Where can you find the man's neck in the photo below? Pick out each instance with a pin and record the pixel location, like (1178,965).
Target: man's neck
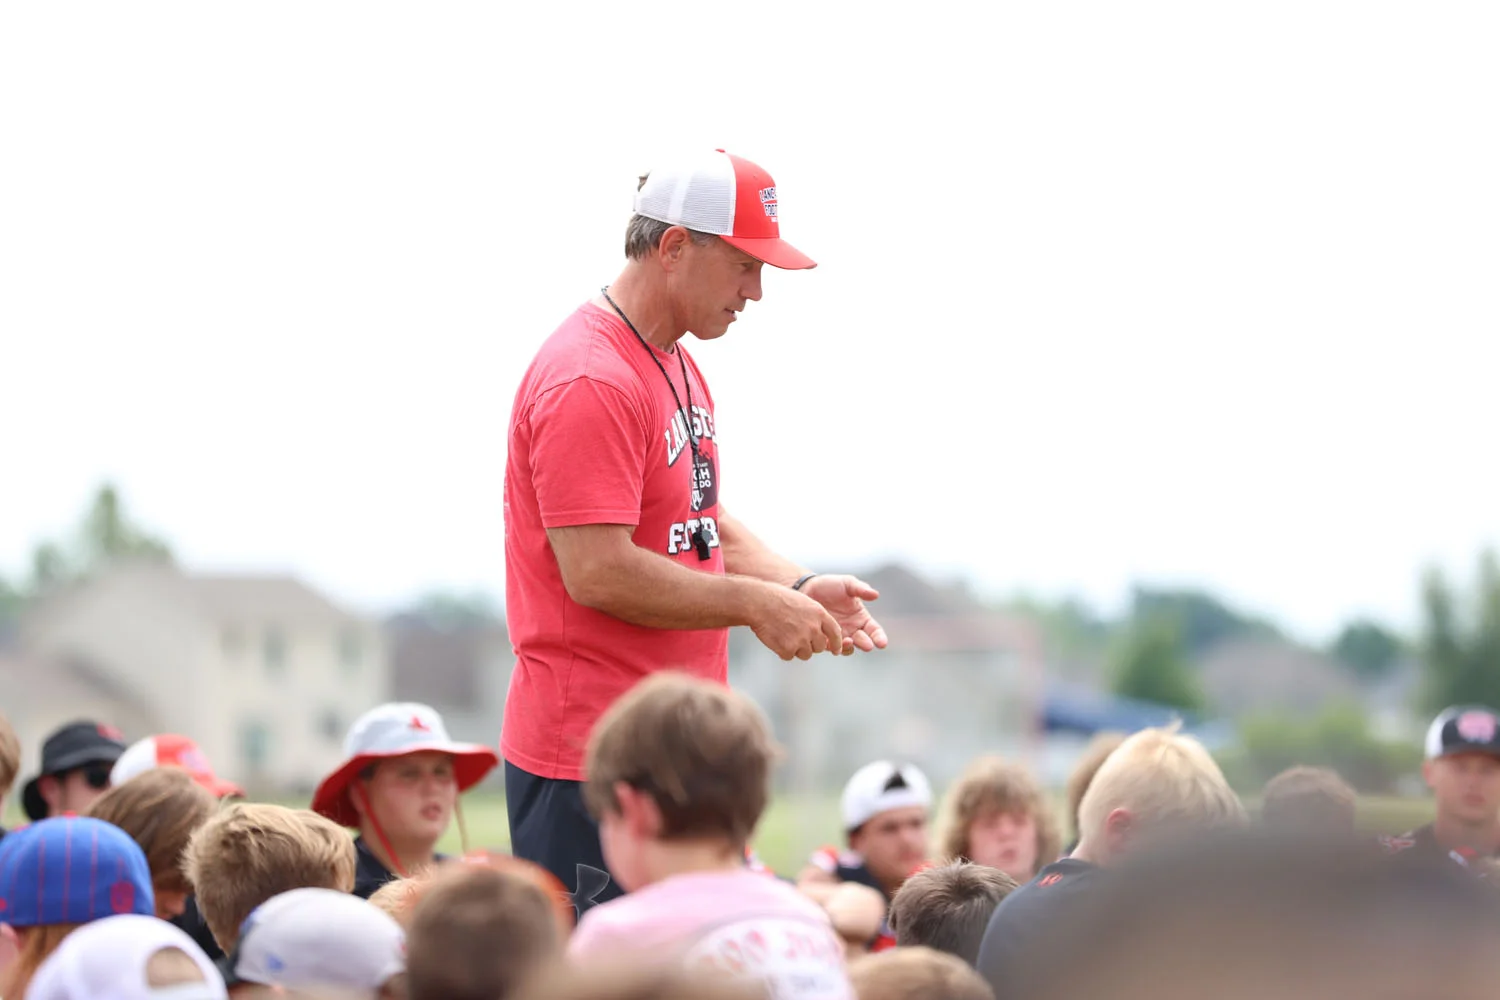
(1482,838)
(640,296)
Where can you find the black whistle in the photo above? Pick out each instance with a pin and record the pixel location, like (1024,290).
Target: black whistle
(700,545)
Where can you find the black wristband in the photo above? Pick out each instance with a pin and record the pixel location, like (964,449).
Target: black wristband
(798,585)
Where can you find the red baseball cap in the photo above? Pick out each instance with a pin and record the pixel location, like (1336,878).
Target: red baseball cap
(725,196)
(171,750)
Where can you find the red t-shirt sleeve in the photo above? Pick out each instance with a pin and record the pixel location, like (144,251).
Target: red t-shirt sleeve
(588,454)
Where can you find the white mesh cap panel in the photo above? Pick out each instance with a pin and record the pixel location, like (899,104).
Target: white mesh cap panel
(696,193)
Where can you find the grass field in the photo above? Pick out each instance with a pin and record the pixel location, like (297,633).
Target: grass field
(793,826)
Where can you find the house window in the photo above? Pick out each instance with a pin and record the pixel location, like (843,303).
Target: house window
(351,651)
(331,726)
(255,746)
(274,651)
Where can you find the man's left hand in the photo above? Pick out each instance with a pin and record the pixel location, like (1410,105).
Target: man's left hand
(844,597)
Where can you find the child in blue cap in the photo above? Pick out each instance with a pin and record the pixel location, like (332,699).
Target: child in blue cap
(59,874)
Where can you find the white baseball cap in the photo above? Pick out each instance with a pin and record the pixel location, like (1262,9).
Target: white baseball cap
(725,196)
(881,787)
(317,939)
(108,959)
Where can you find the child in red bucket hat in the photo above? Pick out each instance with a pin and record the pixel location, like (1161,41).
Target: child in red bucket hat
(399,786)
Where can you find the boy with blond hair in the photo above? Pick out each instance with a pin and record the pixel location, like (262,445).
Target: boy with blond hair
(250,852)
(1158,787)
(679,773)
(916,973)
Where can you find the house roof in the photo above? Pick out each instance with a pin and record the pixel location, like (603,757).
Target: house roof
(221,598)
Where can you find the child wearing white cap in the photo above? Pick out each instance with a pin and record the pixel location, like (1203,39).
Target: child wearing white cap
(399,785)
(129,957)
(319,939)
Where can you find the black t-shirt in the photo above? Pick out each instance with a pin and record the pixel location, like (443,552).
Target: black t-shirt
(191,922)
(369,873)
(1031,914)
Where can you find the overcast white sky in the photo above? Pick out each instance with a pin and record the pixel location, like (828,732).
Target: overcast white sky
(1183,292)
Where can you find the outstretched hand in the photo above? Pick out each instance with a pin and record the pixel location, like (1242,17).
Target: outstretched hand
(844,598)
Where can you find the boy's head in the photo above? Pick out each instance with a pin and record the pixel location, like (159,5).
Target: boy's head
(948,908)
(127,958)
(1093,757)
(643,980)
(320,939)
(885,809)
(250,852)
(76,764)
(916,973)
(477,932)
(398,897)
(677,759)
(997,815)
(1311,800)
(10,758)
(160,809)
(1158,784)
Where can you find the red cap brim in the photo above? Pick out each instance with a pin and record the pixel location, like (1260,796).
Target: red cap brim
(776,252)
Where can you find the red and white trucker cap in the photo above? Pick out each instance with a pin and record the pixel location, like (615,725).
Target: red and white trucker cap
(726,196)
(171,750)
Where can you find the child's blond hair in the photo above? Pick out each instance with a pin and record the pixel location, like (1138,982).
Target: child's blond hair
(252,851)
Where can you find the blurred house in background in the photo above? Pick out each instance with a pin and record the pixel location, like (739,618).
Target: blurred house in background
(263,671)
(461,669)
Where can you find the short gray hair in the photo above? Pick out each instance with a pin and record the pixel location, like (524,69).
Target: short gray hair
(643,235)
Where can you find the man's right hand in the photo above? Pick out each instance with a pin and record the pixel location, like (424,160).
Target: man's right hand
(793,625)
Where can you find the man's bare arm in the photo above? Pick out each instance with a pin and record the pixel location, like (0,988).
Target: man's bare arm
(602,568)
(747,555)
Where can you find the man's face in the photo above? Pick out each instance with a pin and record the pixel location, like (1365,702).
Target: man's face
(1466,786)
(711,284)
(75,791)
(893,843)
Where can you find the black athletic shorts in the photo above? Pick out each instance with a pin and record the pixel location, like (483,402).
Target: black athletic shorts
(550,826)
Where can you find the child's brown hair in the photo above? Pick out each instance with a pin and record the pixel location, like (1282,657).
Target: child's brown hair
(916,973)
(948,908)
(252,851)
(701,750)
(161,809)
(476,933)
(1309,799)
(1093,757)
(636,981)
(991,785)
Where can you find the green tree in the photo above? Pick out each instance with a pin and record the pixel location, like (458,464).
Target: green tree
(1368,648)
(1205,620)
(1460,645)
(105,534)
(1150,665)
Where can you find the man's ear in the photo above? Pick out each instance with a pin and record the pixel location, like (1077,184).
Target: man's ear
(674,243)
(1429,768)
(639,811)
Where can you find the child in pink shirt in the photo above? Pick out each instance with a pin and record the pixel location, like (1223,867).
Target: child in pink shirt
(678,776)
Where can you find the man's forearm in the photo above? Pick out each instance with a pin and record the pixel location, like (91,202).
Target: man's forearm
(746,555)
(648,589)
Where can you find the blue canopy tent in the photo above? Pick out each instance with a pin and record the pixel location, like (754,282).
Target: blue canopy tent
(1085,711)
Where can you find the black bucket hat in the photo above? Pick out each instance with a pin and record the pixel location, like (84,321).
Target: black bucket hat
(75,745)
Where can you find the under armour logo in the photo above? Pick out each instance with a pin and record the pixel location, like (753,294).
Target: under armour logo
(590,882)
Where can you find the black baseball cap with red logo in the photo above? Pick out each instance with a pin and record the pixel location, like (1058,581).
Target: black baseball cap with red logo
(1464,729)
(74,746)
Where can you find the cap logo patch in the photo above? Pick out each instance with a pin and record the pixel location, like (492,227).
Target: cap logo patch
(194,760)
(419,725)
(110,733)
(1476,727)
(768,201)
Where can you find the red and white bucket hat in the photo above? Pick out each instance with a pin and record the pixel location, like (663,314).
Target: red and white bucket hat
(725,196)
(397,729)
(171,750)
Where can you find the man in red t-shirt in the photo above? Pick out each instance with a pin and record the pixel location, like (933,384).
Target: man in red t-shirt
(620,559)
